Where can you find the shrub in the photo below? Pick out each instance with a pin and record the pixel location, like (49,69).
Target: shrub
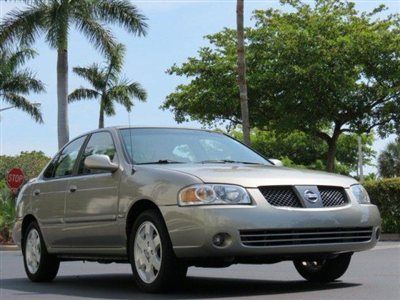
(385,193)
(31,162)
(7,215)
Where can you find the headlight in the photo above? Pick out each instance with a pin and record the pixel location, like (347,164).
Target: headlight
(360,193)
(208,194)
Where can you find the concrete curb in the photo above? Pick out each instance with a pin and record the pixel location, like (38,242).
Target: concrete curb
(9,248)
(390,237)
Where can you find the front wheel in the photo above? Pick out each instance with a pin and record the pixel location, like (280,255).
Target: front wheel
(323,270)
(39,264)
(154,265)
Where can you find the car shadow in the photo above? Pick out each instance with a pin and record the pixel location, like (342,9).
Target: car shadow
(122,287)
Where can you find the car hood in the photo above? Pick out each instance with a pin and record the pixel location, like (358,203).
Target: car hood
(259,175)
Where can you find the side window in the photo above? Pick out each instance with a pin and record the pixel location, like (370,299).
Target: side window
(64,166)
(49,172)
(99,143)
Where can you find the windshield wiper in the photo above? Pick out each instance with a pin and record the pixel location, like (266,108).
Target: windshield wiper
(162,161)
(228,161)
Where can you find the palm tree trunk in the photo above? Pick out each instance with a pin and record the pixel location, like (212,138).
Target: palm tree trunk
(101,117)
(62,97)
(241,62)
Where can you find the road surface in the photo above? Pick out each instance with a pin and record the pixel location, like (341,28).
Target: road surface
(372,275)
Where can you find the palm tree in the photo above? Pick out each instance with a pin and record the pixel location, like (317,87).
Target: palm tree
(107,85)
(241,62)
(54,19)
(16,82)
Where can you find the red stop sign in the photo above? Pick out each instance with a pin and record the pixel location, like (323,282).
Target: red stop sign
(15,179)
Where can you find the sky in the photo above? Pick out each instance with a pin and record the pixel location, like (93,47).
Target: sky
(176,31)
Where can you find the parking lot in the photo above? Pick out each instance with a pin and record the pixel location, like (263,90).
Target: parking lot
(372,275)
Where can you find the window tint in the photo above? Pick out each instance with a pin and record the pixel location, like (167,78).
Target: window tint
(99,143)
(66,159)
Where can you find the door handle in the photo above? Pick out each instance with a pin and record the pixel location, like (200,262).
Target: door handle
(36,192)
(72,188)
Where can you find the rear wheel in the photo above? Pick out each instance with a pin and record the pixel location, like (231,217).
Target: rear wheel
(39,264)
(154,265)
(323,270)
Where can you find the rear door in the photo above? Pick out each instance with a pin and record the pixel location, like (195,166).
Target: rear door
(48,194)
(92,199)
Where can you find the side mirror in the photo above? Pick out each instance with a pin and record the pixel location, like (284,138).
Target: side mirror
(100,162)
(276,162)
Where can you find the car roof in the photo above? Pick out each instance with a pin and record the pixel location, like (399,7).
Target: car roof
(115,128)
(149,127)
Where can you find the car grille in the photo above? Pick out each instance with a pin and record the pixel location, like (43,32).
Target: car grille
(332,196)
(280,196)
(285,196)
(277,237)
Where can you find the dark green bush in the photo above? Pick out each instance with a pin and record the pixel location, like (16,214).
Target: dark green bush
(385,193)
(7,215)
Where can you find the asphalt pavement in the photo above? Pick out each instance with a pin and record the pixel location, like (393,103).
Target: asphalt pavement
(373,274)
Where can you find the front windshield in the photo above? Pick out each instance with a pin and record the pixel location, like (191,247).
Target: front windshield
(164,145)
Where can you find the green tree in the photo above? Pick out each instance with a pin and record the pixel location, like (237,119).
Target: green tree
(389,160)
(54,19)
(31,163)
(16,82)
(297,149)
(322,69)
(107,85)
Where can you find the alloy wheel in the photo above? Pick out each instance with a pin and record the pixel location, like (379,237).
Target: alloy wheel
(147,252)
(33,251)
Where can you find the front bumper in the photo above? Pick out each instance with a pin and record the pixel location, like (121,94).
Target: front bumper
(192,229)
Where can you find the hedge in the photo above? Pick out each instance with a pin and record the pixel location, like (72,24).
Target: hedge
(7,215)
(385,193)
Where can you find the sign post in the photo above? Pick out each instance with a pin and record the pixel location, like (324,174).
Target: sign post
(15,179)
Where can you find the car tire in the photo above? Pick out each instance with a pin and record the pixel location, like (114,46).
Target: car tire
(40,266)
(155,267)
(323,270)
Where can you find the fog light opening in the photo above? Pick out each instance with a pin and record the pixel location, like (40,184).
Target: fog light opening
(221,239)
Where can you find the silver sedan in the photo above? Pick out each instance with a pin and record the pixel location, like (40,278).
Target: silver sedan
(164,199)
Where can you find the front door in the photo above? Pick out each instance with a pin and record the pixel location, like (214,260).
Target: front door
(92,200)
(48,193)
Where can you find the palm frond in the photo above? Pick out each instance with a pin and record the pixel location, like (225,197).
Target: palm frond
(83,94)
(22,82)
(14,81)
(100,36)
(116,60)
(22,103)
(121,12)
(135,89)
(124,93)
(19,57)
(108,107)
(93,74)
(23,25)
(58,24)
